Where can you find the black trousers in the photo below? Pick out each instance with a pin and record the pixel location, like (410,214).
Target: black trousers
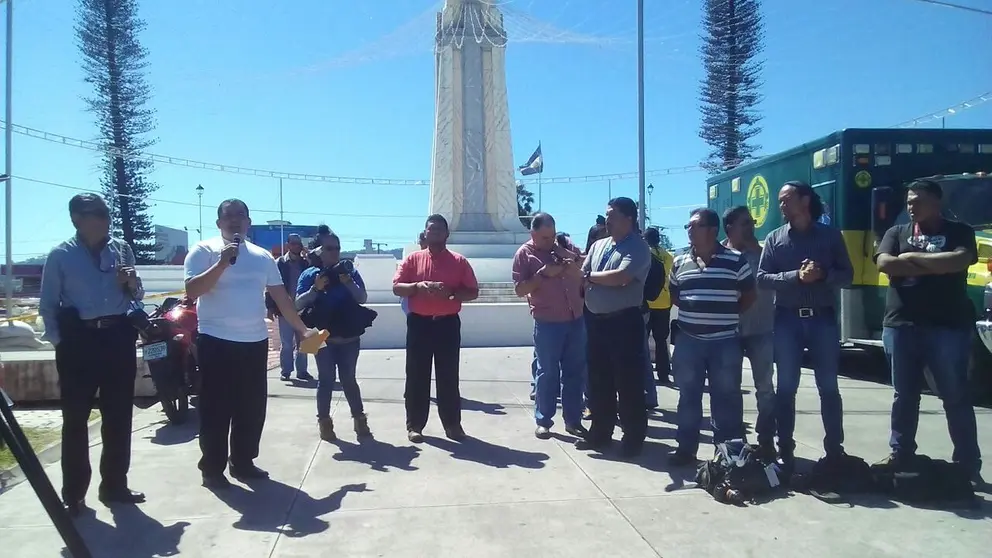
(89,359)
(436,340)
(615,354)
(659,326)
(233,400)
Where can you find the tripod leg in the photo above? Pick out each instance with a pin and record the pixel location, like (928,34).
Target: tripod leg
(35,473)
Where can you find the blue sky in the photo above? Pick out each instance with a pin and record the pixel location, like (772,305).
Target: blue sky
(345,88)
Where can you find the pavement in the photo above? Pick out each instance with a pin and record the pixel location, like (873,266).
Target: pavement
(502,493)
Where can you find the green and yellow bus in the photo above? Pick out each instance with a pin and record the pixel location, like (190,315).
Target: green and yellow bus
(861,175)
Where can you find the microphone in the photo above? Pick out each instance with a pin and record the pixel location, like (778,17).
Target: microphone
(237,242)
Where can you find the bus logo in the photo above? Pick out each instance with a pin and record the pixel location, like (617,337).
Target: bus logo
(758,200)
(862,179)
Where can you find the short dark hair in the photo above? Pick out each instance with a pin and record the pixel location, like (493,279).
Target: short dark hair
(436,218)
(541,220)
(707,216)
(928,187)
(733,214)
(330,234)
(87,202)
(806,191)
(231,201)
(652,236)
(323,229)
(626,206)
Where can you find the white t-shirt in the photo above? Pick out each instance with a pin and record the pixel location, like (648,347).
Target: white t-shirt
(234,309)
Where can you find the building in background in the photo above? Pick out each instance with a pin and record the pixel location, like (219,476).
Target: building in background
(171,245)
(272,236)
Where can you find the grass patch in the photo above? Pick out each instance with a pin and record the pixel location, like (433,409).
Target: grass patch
(39,438)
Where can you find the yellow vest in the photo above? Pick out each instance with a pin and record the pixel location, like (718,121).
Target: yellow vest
(664,300)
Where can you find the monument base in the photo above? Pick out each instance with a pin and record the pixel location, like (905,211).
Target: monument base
(490,253)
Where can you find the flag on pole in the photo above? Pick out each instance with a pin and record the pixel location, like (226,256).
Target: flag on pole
(534,165)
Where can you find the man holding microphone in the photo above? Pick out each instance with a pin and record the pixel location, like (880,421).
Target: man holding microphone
(228,277)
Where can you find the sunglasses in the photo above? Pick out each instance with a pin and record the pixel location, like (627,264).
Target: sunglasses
(98,213)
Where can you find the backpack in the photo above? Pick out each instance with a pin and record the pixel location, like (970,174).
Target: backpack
(833,478)
(736,475)
(922,480)
(655,281)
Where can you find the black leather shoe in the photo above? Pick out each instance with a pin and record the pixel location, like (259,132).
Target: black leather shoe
(216,482)
(75,507)
(122,496)
(455,433)
(247,471)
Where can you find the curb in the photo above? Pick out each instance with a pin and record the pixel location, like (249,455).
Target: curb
(46,456)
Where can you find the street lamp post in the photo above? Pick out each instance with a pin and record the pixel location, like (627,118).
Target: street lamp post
(650,203)
(199,204)
(640,113)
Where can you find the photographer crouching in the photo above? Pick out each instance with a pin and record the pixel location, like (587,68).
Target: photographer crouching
(330,296)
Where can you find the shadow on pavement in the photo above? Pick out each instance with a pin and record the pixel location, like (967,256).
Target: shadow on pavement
(271,506)
(977,509)
(479,406)
(142,536)
(380,456)
(168,434)
(492,455)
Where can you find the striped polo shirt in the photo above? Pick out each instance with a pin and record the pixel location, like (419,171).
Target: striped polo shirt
(709,297)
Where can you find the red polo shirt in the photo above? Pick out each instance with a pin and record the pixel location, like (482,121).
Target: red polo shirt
(446,267)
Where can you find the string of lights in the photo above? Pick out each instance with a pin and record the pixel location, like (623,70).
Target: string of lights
(952,110)
(956,6)
(291,212)
(949,111)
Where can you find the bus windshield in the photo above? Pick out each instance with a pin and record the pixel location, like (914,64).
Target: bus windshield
(965,199)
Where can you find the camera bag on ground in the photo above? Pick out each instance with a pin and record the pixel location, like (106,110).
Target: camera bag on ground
(922,480)
(834,478)
(736,475)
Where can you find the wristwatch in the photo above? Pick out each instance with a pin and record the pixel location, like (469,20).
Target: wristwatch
(587,274)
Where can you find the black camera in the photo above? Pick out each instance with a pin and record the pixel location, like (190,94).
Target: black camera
(334,273)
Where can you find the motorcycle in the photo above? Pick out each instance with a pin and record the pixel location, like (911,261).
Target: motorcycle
(168,347)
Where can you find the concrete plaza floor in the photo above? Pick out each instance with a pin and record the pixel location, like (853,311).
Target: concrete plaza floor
(503,493)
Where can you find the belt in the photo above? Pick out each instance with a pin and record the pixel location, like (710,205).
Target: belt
(105,322)
(808,312)
(434,318)
(607,315)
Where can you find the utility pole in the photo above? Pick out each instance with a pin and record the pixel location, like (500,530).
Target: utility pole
(378,246)
(641,214)
(8,155)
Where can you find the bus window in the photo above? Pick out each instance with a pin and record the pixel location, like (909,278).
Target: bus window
(965,199)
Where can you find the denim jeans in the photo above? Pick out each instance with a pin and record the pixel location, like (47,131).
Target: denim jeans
(650,389)
(760,352)
(945,351)
(534,367)
(818,333)
(290,341)
(338,361)
(693,360)
(561,356)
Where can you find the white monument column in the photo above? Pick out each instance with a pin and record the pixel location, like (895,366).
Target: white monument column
(472,181)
